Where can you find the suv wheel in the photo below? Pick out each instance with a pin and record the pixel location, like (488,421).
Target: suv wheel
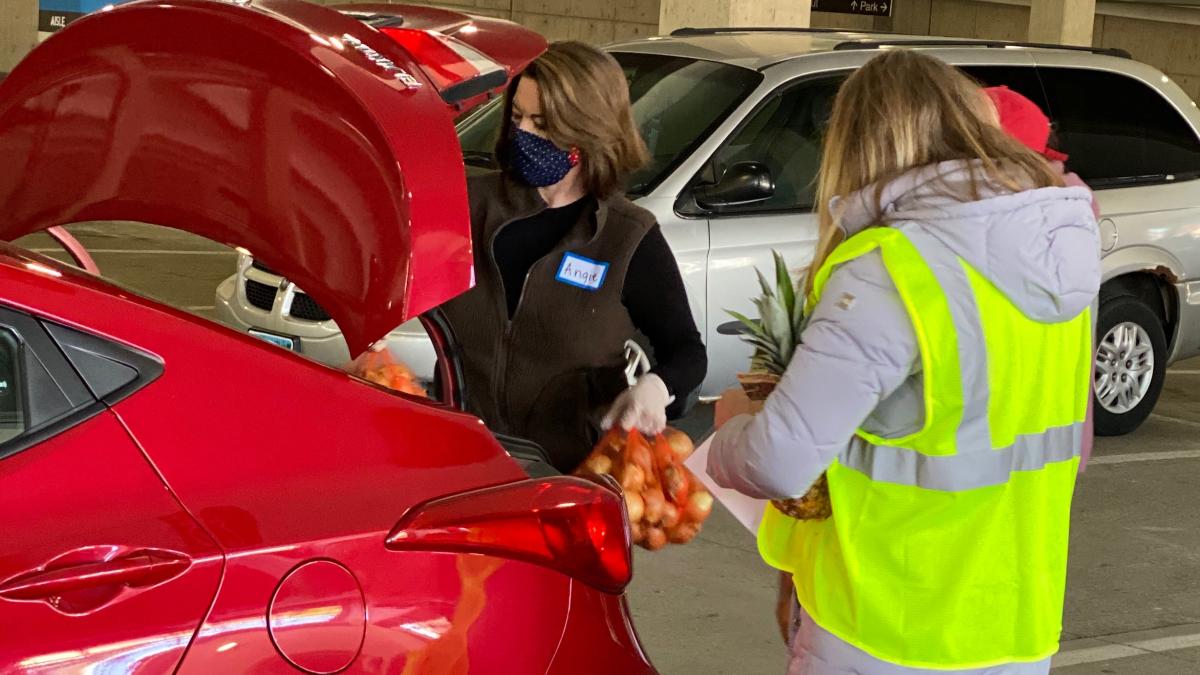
(1130,364)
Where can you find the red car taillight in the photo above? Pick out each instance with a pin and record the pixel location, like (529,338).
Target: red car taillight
(568,524)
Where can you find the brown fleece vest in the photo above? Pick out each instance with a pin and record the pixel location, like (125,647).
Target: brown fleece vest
(550,373)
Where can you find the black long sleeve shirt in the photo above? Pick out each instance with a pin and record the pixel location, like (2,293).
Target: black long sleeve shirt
(653,294)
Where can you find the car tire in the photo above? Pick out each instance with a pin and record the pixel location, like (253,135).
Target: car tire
(1130,364)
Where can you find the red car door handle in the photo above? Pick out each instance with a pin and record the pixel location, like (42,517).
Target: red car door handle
(137,569)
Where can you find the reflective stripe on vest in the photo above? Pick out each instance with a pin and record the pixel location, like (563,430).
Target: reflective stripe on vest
(947,547)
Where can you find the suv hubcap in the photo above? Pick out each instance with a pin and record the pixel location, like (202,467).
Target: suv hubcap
(1124,368)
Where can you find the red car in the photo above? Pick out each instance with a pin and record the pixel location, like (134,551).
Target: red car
(343,527)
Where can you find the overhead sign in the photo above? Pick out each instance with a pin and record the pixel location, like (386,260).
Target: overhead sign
(54,15)
(862,7)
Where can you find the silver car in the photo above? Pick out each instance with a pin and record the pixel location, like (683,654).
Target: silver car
(734,121)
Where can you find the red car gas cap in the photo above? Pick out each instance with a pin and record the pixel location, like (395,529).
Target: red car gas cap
(318,617)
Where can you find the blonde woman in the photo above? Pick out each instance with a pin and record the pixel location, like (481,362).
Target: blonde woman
(567,269)
(942,387)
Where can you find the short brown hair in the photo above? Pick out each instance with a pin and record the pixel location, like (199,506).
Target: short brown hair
(585,104)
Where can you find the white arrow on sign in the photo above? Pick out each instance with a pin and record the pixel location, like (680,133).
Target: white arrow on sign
(883,7)
(853,5)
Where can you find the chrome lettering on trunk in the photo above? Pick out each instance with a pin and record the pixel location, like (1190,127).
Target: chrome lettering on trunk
(383,62)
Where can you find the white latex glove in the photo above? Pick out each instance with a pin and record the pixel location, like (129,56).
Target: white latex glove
(642,406)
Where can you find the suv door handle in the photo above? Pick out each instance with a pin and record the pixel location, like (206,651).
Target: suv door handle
(86,586)
(732,328)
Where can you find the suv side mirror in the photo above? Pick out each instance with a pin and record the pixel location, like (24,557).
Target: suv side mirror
(743,183)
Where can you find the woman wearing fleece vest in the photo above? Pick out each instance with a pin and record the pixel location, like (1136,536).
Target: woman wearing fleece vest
(567,269)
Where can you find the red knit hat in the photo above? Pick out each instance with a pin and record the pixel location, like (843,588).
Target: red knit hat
(1024,121)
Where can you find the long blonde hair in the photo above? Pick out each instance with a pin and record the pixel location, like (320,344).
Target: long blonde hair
(904,110)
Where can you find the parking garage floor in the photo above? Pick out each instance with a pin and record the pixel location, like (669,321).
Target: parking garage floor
(1133,597)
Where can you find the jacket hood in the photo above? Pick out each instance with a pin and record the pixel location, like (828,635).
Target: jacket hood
(1040,247)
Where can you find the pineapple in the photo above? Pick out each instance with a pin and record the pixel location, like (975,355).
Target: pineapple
(775,335)
(774,338)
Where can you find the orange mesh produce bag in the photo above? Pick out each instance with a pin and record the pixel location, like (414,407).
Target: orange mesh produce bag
(380,367)
(665,502)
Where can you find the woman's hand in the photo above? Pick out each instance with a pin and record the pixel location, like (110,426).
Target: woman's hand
(733,402)
(643,407)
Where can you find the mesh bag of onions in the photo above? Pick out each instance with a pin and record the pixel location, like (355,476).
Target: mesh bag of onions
(665,502)
(380,367)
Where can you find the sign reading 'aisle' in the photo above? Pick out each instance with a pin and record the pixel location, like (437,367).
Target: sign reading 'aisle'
(54,15)
(863,7)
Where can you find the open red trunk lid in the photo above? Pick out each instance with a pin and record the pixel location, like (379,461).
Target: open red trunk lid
(300,133)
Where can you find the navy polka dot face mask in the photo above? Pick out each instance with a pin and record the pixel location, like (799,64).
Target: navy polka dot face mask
(538,161)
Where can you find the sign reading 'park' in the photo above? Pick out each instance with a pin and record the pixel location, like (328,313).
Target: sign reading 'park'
(864,7)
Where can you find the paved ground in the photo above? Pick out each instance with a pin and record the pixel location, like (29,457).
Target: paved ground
(1133,603)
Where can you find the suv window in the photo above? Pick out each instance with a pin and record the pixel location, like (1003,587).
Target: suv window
(785,134)
(1022,79)
(1143,139)
(677,102)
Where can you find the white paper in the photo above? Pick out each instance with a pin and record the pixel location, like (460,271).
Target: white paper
(747,510)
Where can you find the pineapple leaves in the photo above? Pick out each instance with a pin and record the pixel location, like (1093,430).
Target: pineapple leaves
(783,281)
(776,333)
(777,322)
(767,290)
(798,316)
(754,327)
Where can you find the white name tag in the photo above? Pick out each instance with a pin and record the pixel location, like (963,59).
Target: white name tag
(580,272)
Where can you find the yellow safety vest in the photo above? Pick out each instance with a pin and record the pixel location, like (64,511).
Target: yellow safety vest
(947,548)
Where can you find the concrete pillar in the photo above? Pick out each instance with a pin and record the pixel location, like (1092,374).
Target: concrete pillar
(18,31)
(1067,22)
(911,17)
(721,13)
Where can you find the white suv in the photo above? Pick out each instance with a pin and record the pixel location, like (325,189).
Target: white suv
(734,120)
